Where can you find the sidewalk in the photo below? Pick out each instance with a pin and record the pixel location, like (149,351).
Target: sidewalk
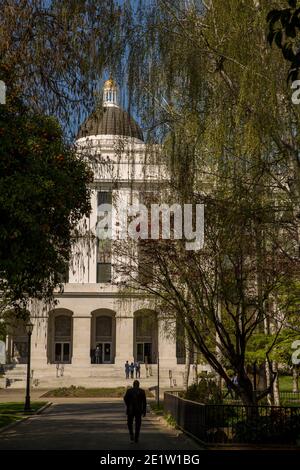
(91,425)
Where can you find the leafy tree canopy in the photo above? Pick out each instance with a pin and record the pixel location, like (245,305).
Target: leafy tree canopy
(284,32)
(43,194)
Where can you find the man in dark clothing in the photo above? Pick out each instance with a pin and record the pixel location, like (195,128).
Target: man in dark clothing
(135,400)
(127,367)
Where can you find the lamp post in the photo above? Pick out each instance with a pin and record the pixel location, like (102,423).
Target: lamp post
(29,328)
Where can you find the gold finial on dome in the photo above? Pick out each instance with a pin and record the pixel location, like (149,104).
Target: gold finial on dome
(110,83)
(110,93)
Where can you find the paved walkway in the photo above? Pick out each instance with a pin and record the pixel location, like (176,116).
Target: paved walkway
(86,425)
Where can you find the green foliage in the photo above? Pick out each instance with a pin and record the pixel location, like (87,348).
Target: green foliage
(59,51)
(278,345)
(170,420)
(43,194)
(277,428)
(284,31)
(157,409)
(206,391)
(225,118)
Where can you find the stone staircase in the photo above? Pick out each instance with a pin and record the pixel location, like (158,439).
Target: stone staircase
(93,376)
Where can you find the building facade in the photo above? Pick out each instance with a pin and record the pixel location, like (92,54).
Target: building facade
(93,329)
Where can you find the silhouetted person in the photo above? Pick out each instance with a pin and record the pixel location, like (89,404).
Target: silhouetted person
(127,367)
(137,367)
(131,368)
(135,399)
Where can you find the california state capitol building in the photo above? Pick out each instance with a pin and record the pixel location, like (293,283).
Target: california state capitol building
(91,312)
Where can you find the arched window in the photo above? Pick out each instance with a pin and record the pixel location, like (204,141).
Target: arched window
(62,338)
(146,339)
(103,327)
(103,338)
(63,327)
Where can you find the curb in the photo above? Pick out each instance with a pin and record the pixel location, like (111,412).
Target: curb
(25,418)
(41,410)
(164,422)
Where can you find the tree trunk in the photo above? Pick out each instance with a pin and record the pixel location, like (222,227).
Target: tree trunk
(245,391)
(187,363)
(218,350)
(276,385)
(268,379)
(295,379)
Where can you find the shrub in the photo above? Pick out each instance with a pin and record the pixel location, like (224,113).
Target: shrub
(273,429)
(206,391)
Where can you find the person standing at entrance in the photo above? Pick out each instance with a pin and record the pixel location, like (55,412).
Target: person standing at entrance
(97,355)
(131,370)
(127,367)
(137,367)
(135,400)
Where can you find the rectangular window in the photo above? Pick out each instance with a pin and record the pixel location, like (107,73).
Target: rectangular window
(66,352)
(140,352)
(107,349)
(103,272)
(104,197)
(145,263)
(104,245)
(62,352)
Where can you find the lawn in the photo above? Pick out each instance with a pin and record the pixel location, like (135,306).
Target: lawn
(14,411)
(286,383)
(82,392)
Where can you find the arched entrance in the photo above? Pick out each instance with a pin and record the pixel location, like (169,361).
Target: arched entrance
(145,336)
(60,336)
(103,335)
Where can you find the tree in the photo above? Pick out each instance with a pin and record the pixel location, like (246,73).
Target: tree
(59,50)
(43,194)
(216,96)
(284,32)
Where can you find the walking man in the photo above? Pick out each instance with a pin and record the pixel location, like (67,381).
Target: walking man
(135,400)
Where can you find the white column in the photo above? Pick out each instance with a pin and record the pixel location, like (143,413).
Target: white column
(39,341)
(166,346)
(8,346)
(124,340)
(81,340)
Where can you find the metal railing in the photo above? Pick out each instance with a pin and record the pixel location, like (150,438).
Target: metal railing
(235,423)
(292,397)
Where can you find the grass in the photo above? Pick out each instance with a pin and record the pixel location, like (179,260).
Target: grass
(14,411)
(82,392)
(286,383)
(157,409)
